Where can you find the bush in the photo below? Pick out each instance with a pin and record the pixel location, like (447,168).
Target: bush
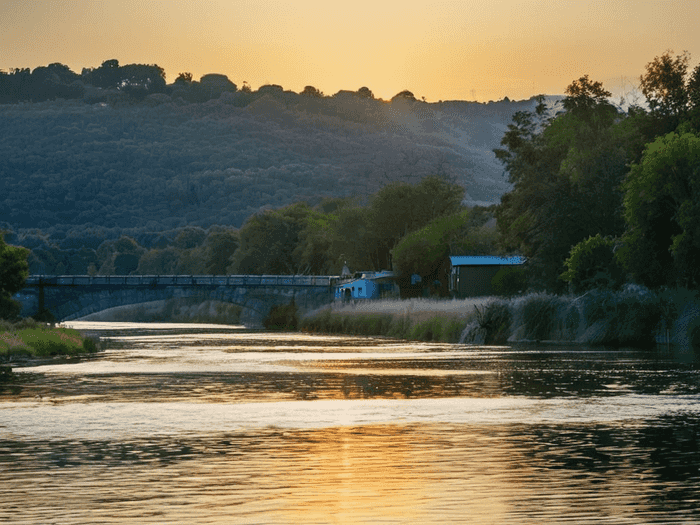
(509,281)
(592,264)
(282,317)
(494,322)
(632,315)
(539,316)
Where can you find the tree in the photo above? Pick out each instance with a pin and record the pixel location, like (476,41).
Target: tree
(139,80)
(365,92)
(663,84)
(661,245)
(584,93)
(105,76)
(592,264)
(119,257)
(566,171)
(14,270)
(220,247)
(403,95)
(215,84)
(185,78)
(423,251)
(268,241)
(310,91)
(400,208)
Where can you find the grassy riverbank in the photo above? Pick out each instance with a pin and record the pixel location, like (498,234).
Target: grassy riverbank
(417,319)
(29,338)
(633,317)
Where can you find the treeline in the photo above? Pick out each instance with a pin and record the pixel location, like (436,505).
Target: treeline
(130,153)
(408,227)
(603,196)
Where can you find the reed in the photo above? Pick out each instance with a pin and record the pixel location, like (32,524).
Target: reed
(417,319)
(633,316)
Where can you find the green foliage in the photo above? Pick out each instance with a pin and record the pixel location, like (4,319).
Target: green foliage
(268,242)
(566,171)
(662,209)
(36,339)
(282,317)
(400,208)
(592,264)
(494,320)
(13,272)
(509,281)
(220,244)
(539,313)
(422,251)
(663,84)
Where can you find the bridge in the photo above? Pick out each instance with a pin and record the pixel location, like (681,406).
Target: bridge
(69,297)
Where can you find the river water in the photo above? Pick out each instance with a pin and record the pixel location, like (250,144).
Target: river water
(211,424)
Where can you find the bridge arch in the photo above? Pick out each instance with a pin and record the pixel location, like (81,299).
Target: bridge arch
(73,297)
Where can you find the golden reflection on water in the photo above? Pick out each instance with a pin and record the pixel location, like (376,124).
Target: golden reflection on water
(239,427)
(419,473)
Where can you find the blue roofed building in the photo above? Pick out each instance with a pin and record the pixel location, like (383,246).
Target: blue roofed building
(367,285)
(471,275)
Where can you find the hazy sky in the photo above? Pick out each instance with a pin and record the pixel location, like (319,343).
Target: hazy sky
(440,50)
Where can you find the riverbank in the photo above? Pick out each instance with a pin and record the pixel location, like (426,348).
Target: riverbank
(634,317)
(32,339)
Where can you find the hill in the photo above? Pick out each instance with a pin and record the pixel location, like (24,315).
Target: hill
(163,163)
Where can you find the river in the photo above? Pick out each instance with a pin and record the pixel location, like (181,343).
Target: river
(213,424)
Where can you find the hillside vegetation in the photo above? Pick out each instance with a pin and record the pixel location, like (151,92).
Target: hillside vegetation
(116,149)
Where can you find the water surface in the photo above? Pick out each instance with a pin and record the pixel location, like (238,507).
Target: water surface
(185,424)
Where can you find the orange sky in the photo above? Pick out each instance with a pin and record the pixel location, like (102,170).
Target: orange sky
(440,50)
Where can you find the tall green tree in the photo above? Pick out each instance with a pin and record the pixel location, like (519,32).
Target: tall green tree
(400,208)
(268,241)
(566,170)
(664,84)
(661,245)
(14,271)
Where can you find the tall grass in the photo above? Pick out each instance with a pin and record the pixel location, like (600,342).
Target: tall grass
(633,316)
(417,319)
(34,339)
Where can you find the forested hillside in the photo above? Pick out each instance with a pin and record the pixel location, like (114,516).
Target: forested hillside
(86,158)
(186,155)
(68,164)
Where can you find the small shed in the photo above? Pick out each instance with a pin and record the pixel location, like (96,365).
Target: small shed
(471,275)
(367,285)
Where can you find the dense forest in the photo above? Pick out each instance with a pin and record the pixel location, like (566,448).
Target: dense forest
(201,177)
(116,151)
(603,196)
(111,148)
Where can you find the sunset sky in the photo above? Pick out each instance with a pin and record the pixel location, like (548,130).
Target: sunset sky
(440,50)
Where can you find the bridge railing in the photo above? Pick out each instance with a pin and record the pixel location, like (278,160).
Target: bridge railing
(179,280)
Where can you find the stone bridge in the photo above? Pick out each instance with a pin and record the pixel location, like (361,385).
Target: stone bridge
(73,296)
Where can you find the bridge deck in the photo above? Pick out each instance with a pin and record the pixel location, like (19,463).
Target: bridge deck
(36,281)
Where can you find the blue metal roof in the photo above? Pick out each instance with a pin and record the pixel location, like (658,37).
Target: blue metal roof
(484,260)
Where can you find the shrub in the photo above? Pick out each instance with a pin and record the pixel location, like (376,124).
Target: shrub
(632,315)
(282,317)
(494,322)
(539,316)
(509,281)
(592,264)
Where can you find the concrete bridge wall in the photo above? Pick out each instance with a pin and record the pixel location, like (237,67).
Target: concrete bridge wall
(71,297)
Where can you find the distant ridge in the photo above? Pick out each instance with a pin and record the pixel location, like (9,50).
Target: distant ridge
(108,160)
